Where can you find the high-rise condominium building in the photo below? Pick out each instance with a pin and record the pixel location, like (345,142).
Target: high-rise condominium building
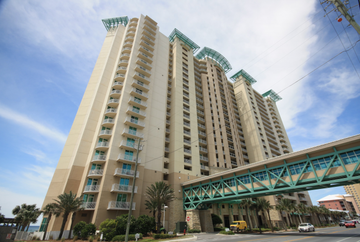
(353,189)
(191,121)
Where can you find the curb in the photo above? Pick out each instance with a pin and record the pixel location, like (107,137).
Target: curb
(186,239)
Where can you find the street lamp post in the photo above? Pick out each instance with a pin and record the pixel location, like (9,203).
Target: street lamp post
(165,207)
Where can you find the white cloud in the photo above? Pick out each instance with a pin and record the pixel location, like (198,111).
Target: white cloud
(43,129)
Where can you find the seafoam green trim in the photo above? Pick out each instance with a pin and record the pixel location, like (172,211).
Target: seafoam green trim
(213,54)
(243,73)
(114,22)
(273,95)
(177,33)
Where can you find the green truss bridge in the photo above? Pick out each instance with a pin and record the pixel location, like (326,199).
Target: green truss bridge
(328,165)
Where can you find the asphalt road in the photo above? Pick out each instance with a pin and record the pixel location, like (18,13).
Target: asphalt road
(334,234)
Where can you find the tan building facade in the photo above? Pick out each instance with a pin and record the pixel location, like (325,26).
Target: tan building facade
(191,121)
(354,190)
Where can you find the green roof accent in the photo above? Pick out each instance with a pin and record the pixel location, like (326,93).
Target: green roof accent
(184,38)
(273,95)
(213,54)
(243,73)
(114,22)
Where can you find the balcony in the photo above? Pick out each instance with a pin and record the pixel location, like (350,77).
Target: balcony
(200,112)
(113,102)
(147,45)
(88,205)
(128,145)
(186,116)
(201,133)
(114,205)
(130,33)
(187,161)
(102,146)
(167,140)
(201,119)
(146,50)
(125,173)
(149,40)
(124,56)
(148,34)
(122,188)
(91,188)
(128,44)
(202,167)
(140,85)
(99,158)
(133,22)
(202,141)
(142,77)
(144,63)
(148,28)
(199,100)
(143,70)
(204,150)
(145,57)
(136,112)
(201,126)
(106,133)
(115,93)
(151,25)
(200,106)
(187,132)
(132,133)
(204,158)
(96,173)
(134,123)
(138,103)
(199,94)
(119,77)
(109,122)
(117,85)
(110,112)
(128,158)
(187,151)
(121,69)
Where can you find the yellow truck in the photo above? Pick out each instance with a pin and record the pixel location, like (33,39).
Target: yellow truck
(238,226)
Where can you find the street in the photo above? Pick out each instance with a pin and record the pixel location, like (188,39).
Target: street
(334,234)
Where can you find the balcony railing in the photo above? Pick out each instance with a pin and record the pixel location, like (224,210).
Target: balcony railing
(128,144)
(125,172)
(99,158)
(135,121)
(88,205)
(96,172)
(204,158)
(188,161)
(115,205)
(105,132)
(122,188)
(134,110)
(128,158)
(102,145)
(142,103)
(92,188)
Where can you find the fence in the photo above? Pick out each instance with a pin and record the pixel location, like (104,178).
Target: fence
(23,235)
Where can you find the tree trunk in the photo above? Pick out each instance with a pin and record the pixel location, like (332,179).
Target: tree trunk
(318,215)
(158,220)
(71,225)
(65,217)
(257,218)
(46,226)
(291,223)
(248,215)
(272,228)
(28,225)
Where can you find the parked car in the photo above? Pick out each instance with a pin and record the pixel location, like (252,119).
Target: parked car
(342,223)
(350,224)
(306,227)
(238,226)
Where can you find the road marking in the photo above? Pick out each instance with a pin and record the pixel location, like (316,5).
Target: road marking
(264,238)
(299,239)
(347,237)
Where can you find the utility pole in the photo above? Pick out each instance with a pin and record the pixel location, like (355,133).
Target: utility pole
(132,193)
(344,11)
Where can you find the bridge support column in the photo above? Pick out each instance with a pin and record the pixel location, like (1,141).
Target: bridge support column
(206,221)
(194,222)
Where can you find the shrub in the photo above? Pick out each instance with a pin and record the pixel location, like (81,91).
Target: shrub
(227,233)
(194,231)
(63,239)
(163,236)
(108,229)
(144,224)
(216,219)
(276,228)
(121,223)
(121,238)
(51,237)
(91,239)
(78,227)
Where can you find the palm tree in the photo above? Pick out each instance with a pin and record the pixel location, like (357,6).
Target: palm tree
(151,206)
(301,209)
(245,203)
(325,212)
(280,207)
(49,210)
(26,214)
(159,194)
(312,210)
(2,218)
(66,204)
(258,206)
(291,210)
(287,206)
(266,207)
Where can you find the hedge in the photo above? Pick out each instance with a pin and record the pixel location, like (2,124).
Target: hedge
(121,237)
(163,236)
(219,229)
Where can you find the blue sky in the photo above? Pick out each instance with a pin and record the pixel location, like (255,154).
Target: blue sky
(48,50)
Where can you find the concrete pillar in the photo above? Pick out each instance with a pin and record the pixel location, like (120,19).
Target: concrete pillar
(206,221)
(194,222)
